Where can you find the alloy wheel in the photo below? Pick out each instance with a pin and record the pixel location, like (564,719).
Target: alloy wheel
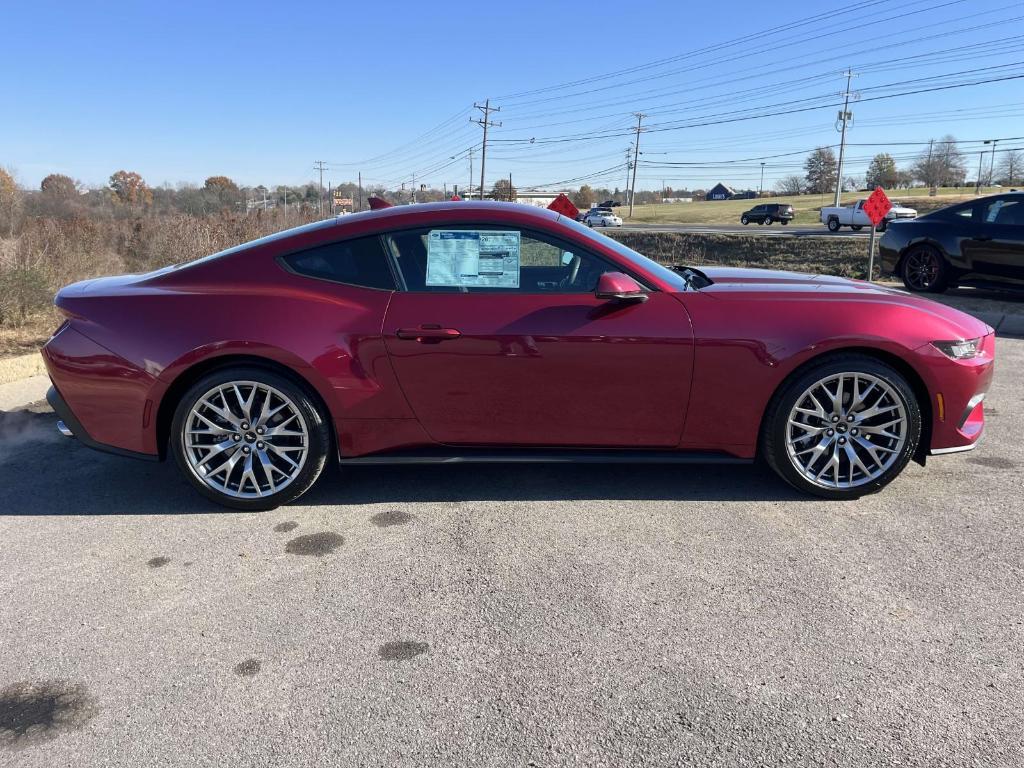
(245,439)
(921,269)
(846,430)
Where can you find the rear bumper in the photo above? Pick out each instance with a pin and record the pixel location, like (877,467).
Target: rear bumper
(70,426)
(100,396)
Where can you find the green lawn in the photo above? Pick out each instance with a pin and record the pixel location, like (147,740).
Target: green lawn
(805,207)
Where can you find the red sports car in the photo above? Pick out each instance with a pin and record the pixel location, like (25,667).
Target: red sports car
(495,332)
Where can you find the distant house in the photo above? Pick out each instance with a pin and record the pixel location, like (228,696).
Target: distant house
(720,192)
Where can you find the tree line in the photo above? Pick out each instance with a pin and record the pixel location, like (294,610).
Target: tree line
(942,164)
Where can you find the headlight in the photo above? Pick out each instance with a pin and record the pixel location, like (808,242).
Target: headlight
(959,350)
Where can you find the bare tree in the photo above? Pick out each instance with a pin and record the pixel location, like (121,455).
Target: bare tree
(942,164)
(10,201)
(790,185)
(1011,168)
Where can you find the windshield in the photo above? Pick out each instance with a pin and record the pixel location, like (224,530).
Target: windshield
(675,279)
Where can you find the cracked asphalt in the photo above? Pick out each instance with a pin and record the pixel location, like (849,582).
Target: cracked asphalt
(520,615)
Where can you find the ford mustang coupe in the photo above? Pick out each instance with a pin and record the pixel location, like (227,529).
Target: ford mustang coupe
(497,332)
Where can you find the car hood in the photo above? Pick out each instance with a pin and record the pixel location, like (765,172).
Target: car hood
(732,283)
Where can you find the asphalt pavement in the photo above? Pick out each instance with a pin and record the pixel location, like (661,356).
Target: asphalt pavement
(513,615)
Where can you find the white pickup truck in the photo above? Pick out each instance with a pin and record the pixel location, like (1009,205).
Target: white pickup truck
(853,216)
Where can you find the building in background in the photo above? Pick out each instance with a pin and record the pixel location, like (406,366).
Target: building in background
(720,192)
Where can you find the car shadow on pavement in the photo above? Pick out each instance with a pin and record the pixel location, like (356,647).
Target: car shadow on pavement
(44,473)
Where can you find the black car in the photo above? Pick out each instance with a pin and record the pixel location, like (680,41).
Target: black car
(766,213)
(979,242)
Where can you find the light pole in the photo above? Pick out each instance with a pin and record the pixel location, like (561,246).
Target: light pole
(760,189)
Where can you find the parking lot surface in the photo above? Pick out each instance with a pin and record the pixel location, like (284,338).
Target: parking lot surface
(520,615)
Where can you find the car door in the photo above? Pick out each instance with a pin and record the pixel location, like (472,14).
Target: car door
(524,354)
(997,245)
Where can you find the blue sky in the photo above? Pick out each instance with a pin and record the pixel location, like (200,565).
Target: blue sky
(258,91)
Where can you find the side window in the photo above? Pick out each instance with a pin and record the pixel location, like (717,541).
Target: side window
(1003,211)
(361,262)
(966,213)
(493,260)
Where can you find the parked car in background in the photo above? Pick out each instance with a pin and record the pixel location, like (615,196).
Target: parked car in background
(854,217)
(766,213)
(601,217)
(980,242)
(481,331)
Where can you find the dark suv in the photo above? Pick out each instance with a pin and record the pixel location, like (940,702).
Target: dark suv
(766,213)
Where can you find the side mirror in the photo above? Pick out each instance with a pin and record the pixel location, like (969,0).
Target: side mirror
(617,286)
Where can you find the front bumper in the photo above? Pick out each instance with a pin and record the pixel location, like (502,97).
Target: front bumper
(958,389)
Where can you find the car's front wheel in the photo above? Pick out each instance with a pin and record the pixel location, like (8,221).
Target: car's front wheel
(249,438)
(924,270)
(843,428)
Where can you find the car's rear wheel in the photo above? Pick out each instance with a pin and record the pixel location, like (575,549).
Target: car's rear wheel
(744,220)
(924,270)
(833,225)
(249,439)
(843,428)
(768,220)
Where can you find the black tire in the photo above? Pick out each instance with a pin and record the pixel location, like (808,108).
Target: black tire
(833,224)
(316,423)
(776,423)
(744,220)
(768,220)
(784,222)
(924,270)
(856,227)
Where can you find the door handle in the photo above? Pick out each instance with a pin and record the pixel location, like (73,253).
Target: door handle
(426,334)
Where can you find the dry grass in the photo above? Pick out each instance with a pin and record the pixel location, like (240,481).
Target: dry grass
(51,252)
(843,256)
(806,207)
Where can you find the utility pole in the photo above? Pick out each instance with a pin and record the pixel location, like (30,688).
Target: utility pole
(760,189)
(319,166)
(931,171)
(992,163)
(330,198)
(360,190)
(977,184)
(629,167)
(845,116)
(485,122)
(636,160)
(511,197)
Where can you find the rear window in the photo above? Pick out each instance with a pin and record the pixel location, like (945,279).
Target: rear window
(361,262)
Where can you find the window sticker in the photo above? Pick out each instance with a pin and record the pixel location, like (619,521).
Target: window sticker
(473,258)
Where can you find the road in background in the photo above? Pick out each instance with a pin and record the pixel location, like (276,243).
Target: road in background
(754,230)
(513,615)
